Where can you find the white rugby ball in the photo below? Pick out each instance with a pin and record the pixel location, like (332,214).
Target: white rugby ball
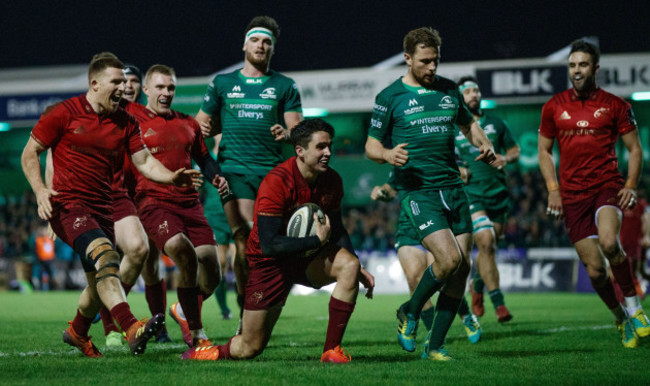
(301,223)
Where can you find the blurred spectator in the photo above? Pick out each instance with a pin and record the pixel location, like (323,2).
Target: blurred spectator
(45,253)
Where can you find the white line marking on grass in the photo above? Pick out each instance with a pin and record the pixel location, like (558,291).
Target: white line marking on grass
(563,329)
(104,350)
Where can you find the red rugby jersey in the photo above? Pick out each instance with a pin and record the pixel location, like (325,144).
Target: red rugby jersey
(120,186)
(586,132)
(174,140)
(86,148)
(283,190)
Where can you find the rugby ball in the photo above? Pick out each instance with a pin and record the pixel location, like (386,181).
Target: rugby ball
(301,223)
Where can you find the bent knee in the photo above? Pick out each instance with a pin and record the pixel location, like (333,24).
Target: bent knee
(610,247)
(596,274)
(349,266)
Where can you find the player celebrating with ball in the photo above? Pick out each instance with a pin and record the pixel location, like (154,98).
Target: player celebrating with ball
(277,261)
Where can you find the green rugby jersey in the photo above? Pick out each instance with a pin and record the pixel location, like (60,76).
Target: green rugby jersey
(486,180)
(247,108)
(423,118)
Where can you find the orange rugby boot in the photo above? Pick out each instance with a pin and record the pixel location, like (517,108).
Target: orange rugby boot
(336,355)
(83,343)
(141,331)
(202,353)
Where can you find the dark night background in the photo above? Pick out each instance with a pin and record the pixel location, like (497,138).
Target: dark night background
(199,38)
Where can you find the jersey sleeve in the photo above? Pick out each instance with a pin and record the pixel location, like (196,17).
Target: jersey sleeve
(272,196)
(133,137)
(51,126)
(625,120)
(292,102)
(547,126)
(463,117)
(380,121)
(211,104)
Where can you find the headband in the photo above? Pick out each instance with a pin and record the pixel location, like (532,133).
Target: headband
(468,84)
(260,32)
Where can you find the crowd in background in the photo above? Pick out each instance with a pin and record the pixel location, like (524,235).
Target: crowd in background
(371,227)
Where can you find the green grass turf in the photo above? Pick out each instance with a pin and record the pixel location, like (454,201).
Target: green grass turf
(553,338)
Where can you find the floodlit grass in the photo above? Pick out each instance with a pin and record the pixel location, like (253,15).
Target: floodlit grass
(553,339)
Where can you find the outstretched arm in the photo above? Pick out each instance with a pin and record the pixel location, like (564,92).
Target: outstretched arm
(152,169)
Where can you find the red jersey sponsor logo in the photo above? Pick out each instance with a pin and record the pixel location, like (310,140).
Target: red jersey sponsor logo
(582,123)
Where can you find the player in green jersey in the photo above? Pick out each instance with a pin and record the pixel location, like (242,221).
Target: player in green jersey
(253,110)
(414,259)
(488,196)
(417,113)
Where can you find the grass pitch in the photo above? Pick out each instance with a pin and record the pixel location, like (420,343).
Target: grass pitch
(553,338)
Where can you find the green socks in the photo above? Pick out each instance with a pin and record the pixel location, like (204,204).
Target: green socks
(446,309)
(427,317)
(463,309)
(428,285)
(497,298)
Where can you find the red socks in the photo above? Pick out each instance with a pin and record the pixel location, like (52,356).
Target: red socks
(189,299)
(224,351)
(623,275)
(107,320)
(339,312)
(607,294)
(122,313)
(81,324)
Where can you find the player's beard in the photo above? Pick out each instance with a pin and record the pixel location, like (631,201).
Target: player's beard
(474,107)
(257,62)
(584,85)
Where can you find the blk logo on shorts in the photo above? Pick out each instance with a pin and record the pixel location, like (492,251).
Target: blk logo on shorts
(425,226)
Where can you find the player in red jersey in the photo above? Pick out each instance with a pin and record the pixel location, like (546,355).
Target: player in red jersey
(138,254)
(587,121)
(173,216)
(277,261)
(88,135)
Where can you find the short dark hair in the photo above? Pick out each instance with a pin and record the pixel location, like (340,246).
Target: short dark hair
(467,78)
(132,69)
(423,35)
(158,69)
(582,45)
(102,62)
(302,132)
(265,22)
